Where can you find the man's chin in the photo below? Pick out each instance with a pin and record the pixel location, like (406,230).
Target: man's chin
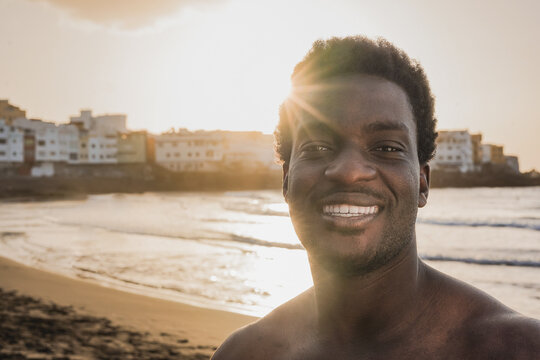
(345,265)
(348,263)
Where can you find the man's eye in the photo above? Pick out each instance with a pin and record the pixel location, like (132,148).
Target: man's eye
(387,148)
(316,148)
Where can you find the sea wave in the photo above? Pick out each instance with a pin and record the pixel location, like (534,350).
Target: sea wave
(484,223)
(498,262)
(254,241)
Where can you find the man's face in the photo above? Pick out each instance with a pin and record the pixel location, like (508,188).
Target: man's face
(353,183)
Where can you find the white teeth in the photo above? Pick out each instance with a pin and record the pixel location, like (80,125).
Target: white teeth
(346,210)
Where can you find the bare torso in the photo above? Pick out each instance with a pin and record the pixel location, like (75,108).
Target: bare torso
(458,322)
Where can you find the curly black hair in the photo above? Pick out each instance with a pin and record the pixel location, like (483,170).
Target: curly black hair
(359,55)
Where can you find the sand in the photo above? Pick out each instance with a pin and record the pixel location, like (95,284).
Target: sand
(49,316)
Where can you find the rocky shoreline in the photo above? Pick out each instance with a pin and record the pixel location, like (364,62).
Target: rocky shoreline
(33,329)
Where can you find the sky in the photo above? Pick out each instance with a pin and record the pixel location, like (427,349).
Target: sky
(226,64)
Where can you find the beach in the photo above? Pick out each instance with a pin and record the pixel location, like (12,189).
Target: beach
(171,275)
(55,317)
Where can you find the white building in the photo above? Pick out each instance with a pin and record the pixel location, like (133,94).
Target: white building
(102,149)
(102,124)
(512,163)
(249,150)
(53,143)
(11,143)
(200,151)
(493,154)
(455,151)
(204,151)
(99,136)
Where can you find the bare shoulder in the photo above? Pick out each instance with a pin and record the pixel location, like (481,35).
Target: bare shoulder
(482,327)
(505,335)
(273,335)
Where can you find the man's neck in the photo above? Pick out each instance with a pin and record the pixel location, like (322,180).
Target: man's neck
(374,307)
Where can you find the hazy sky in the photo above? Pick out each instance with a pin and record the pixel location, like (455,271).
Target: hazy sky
(226,63)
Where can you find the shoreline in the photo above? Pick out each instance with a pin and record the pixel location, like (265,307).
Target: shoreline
(203,329)
(25,188)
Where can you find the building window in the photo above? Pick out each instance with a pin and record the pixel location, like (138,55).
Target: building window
(51,141)
(93,146)
(174,144)
(53,153)
(196,154)
(168,155)
(176,154)
(83,145)
(41,142)
(209,153)
(2,153)
(1,129)
(2,141)
(14,153)
(189,154)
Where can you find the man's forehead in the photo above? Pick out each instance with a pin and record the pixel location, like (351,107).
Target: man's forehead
(367,103)
(338,86)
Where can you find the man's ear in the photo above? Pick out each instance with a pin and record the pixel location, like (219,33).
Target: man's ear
(285,168)
(424,185)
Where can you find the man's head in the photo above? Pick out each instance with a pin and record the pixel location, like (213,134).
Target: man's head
(359,55)
(355,137)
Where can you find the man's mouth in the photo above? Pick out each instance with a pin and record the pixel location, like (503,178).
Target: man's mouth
(348,210)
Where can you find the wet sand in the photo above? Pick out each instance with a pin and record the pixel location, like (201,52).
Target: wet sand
(48,316)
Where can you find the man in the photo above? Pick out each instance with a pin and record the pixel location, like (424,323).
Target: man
(355,137)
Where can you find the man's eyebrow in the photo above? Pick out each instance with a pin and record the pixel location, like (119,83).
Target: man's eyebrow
(381,125)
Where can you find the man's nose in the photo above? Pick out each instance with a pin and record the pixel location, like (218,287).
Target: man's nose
(350,166)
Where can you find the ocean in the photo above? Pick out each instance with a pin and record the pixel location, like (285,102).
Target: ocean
(237,251)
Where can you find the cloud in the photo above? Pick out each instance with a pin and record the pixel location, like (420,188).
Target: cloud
(126,14)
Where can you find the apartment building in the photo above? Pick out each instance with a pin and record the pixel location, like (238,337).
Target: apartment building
(99,139)
(493,154)
(512,163)
(200,151)
(102,124)
(133,147)
(53,143)
(457,150)
(248,150)
(10,112)
(11,143)
(102,149)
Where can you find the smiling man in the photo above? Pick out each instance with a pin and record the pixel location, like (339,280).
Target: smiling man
(355,138)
